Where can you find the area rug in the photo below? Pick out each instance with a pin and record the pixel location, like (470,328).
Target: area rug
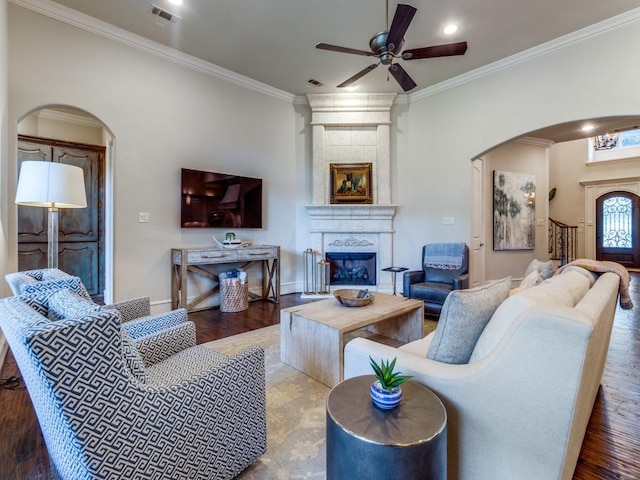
(295,412)
(296,409)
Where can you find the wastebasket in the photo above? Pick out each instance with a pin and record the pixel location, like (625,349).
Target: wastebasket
(234,297)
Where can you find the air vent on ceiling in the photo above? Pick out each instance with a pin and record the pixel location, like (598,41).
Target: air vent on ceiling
(162,13)
(315,83)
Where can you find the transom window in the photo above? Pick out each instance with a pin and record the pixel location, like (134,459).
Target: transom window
(615,146)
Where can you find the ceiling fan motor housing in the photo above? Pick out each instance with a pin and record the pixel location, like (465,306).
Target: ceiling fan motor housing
(378,45)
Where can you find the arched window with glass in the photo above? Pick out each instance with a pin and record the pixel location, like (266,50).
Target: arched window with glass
(617,228)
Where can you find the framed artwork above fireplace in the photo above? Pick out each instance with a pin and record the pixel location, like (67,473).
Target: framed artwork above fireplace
(351,183)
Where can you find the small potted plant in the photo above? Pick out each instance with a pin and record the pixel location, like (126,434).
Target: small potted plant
(385,391)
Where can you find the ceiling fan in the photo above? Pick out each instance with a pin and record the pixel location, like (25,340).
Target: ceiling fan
(387,47)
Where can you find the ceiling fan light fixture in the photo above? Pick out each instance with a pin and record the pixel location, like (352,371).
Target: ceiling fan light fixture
(450,29)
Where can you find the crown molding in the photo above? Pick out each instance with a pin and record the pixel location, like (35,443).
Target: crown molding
(535,142)
(67,117)
(93,25)
(579,36)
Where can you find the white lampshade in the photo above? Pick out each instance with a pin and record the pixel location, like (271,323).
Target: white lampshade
(49,184)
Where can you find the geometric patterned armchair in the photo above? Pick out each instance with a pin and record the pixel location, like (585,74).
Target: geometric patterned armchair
(105,413)
(145,329)
(445,267)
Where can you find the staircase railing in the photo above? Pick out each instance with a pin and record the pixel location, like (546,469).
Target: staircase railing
(563,241)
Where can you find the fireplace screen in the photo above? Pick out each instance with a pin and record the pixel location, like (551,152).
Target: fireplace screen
(352,268)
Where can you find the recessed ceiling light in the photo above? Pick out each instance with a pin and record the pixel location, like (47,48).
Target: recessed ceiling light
(587,128)
(176,2)
(450,29)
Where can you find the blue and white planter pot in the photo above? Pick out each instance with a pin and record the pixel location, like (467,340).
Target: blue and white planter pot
(382,398)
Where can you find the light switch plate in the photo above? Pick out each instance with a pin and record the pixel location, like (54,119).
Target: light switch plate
(143,217)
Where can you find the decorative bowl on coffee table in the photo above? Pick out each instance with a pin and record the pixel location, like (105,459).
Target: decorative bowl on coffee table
(352,297)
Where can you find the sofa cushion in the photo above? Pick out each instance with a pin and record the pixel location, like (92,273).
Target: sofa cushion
(67,304)
(573,282)
(464,315)
(583,271)
(545,268)
(543,294)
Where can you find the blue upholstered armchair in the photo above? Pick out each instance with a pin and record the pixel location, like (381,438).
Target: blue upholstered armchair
(445,268)
(108,413)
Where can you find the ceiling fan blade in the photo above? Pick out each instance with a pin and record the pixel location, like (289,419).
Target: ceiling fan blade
(336,48)
(402,77)
(401,20)
(447,50)
(358,75)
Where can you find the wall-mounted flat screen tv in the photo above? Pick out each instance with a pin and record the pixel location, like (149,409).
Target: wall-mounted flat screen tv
(220,200)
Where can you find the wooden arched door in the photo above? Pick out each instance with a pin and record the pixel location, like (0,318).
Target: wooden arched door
(618,228)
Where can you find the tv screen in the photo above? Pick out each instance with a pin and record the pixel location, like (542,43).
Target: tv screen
(220,200)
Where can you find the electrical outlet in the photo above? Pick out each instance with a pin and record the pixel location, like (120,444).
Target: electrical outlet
(143,217)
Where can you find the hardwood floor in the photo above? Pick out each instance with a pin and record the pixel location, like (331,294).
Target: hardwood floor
(609,450)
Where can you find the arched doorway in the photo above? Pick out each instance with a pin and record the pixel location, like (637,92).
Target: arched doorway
(617,228)
(69,135)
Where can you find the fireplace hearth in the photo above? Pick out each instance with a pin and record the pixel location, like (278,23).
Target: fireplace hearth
(350,268)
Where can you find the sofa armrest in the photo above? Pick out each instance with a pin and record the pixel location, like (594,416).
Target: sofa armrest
(158,346)
(461,282)
(132,308)
(150,324)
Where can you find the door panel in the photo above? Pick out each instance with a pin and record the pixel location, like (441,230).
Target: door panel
(477,251)
(617,228)
(80,224)
(80,238)
(78,258)
(32,221)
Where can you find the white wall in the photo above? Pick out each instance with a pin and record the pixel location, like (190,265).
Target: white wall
(520,158)
(71,127)
(567,168)
(447,130)
(163,117)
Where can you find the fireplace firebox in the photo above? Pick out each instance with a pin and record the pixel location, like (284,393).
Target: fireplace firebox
(352,268)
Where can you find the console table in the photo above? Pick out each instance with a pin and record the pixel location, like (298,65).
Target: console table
(184,260)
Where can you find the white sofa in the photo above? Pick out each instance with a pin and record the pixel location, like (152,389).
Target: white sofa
(519,409)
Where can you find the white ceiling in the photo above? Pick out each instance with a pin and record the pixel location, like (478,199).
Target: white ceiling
(273,41)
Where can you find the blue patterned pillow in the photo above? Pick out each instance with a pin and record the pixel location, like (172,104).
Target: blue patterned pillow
(67,304)
(48,287)
(38,301)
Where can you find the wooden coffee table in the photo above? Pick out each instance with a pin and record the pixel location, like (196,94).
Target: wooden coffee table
(312,336)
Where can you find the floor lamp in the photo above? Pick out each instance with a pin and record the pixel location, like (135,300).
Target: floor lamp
(51,185)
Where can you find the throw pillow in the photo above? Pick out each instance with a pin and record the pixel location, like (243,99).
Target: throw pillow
(531,280)
(48,287)
(67,304)
(545,268)
(464,315)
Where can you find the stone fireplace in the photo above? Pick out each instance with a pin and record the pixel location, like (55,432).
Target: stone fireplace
(353,129)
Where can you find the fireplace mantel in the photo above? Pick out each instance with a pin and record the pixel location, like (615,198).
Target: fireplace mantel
(348,129)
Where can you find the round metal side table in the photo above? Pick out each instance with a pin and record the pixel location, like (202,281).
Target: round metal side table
(363,442)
